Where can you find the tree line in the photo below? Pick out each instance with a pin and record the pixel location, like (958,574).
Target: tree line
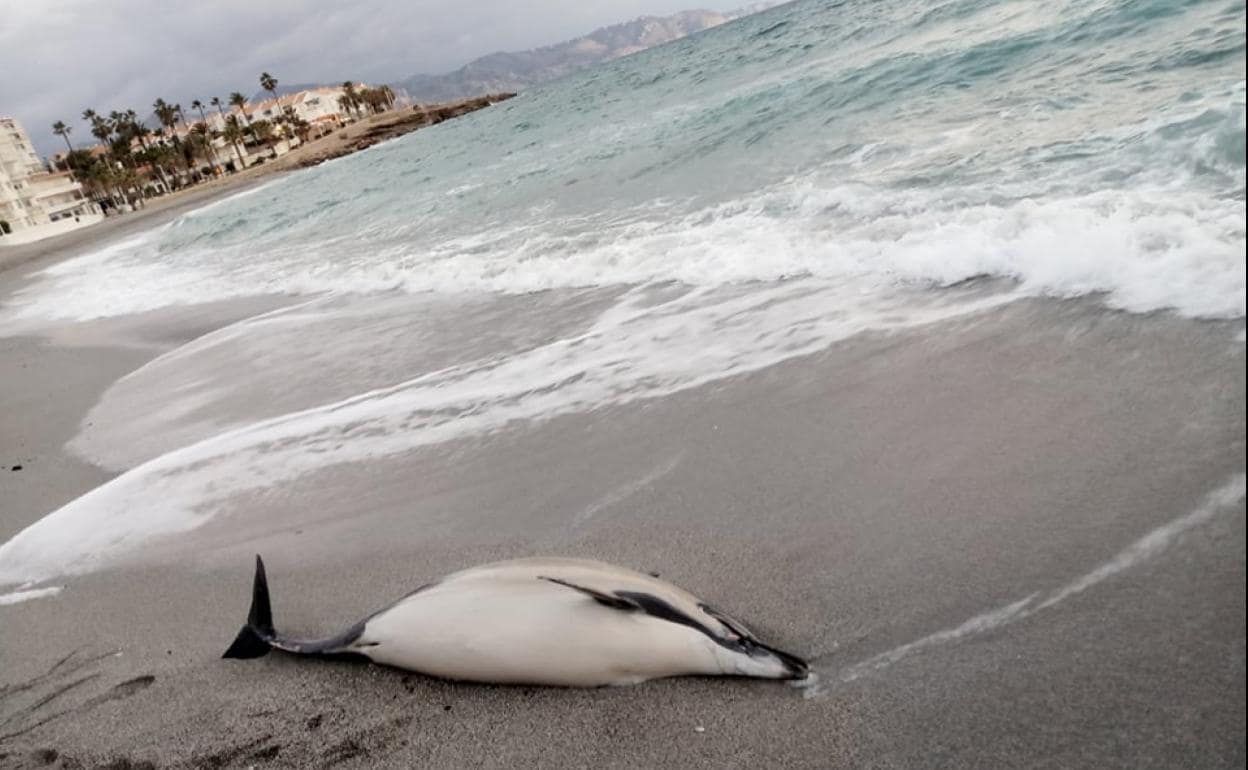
(175,160)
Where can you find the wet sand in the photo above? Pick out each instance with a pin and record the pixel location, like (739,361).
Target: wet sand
(156,212)
(160,210)
(879,507)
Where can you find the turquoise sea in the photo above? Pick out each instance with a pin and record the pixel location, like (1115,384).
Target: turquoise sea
(736,199)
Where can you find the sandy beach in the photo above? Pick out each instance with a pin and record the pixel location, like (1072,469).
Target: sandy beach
(878,507)
(913,337)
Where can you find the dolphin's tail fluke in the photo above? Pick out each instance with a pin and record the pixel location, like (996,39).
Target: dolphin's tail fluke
(255,638)
(258,636)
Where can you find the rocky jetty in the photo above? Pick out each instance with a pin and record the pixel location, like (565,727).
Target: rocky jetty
(400,122)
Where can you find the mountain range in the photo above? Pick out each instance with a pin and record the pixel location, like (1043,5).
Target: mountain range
(516,71)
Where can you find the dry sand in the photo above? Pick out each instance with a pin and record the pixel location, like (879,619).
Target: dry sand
(848,504)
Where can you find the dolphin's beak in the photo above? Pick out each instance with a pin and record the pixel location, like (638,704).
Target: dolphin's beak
(794,667)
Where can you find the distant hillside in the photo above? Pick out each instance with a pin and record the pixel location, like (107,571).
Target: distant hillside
(519,70)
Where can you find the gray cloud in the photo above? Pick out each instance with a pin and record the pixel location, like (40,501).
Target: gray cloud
(59,57)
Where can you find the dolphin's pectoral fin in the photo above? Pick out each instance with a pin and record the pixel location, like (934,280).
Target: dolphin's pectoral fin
(658,608)
(637,601)
(607,600)
(729,622)
(739,640)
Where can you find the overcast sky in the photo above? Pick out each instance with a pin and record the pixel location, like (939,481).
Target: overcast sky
(59,57)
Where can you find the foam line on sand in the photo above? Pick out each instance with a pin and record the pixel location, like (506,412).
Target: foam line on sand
(1138,552)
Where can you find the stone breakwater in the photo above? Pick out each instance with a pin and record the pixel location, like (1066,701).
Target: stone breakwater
(402,122)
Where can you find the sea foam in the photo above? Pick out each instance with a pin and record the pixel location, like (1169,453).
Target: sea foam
(695,212)
(643,346)
(1143,249)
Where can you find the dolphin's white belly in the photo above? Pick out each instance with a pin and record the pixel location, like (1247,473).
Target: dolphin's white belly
(527,631)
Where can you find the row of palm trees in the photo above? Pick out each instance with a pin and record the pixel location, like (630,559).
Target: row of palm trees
(130,147)
(376,100)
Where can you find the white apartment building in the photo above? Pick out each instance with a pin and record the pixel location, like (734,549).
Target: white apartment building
(34,202)
(320,107)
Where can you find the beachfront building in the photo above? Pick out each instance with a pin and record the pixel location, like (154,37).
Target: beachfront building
(321,108)
(35,202)
(316,111)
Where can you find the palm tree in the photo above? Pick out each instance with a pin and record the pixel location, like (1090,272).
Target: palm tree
(121,125)
(118,133)
(128,178)
(124,177)
(212,154)
(352,99)
(167,114)
(161,157)
(263,131)
(97,175)
(99,126)
(125,134)
(289,120)
(233,133)
(199,144)
(90,172)
(110,174)
(140,132)
(60,129)
(298,125)
(268,83)
(240,101)
(376,99)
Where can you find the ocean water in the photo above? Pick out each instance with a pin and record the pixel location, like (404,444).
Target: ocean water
(713,207)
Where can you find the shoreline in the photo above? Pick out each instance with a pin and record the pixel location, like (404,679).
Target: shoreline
(357,136)
(157,212)
(852,530)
